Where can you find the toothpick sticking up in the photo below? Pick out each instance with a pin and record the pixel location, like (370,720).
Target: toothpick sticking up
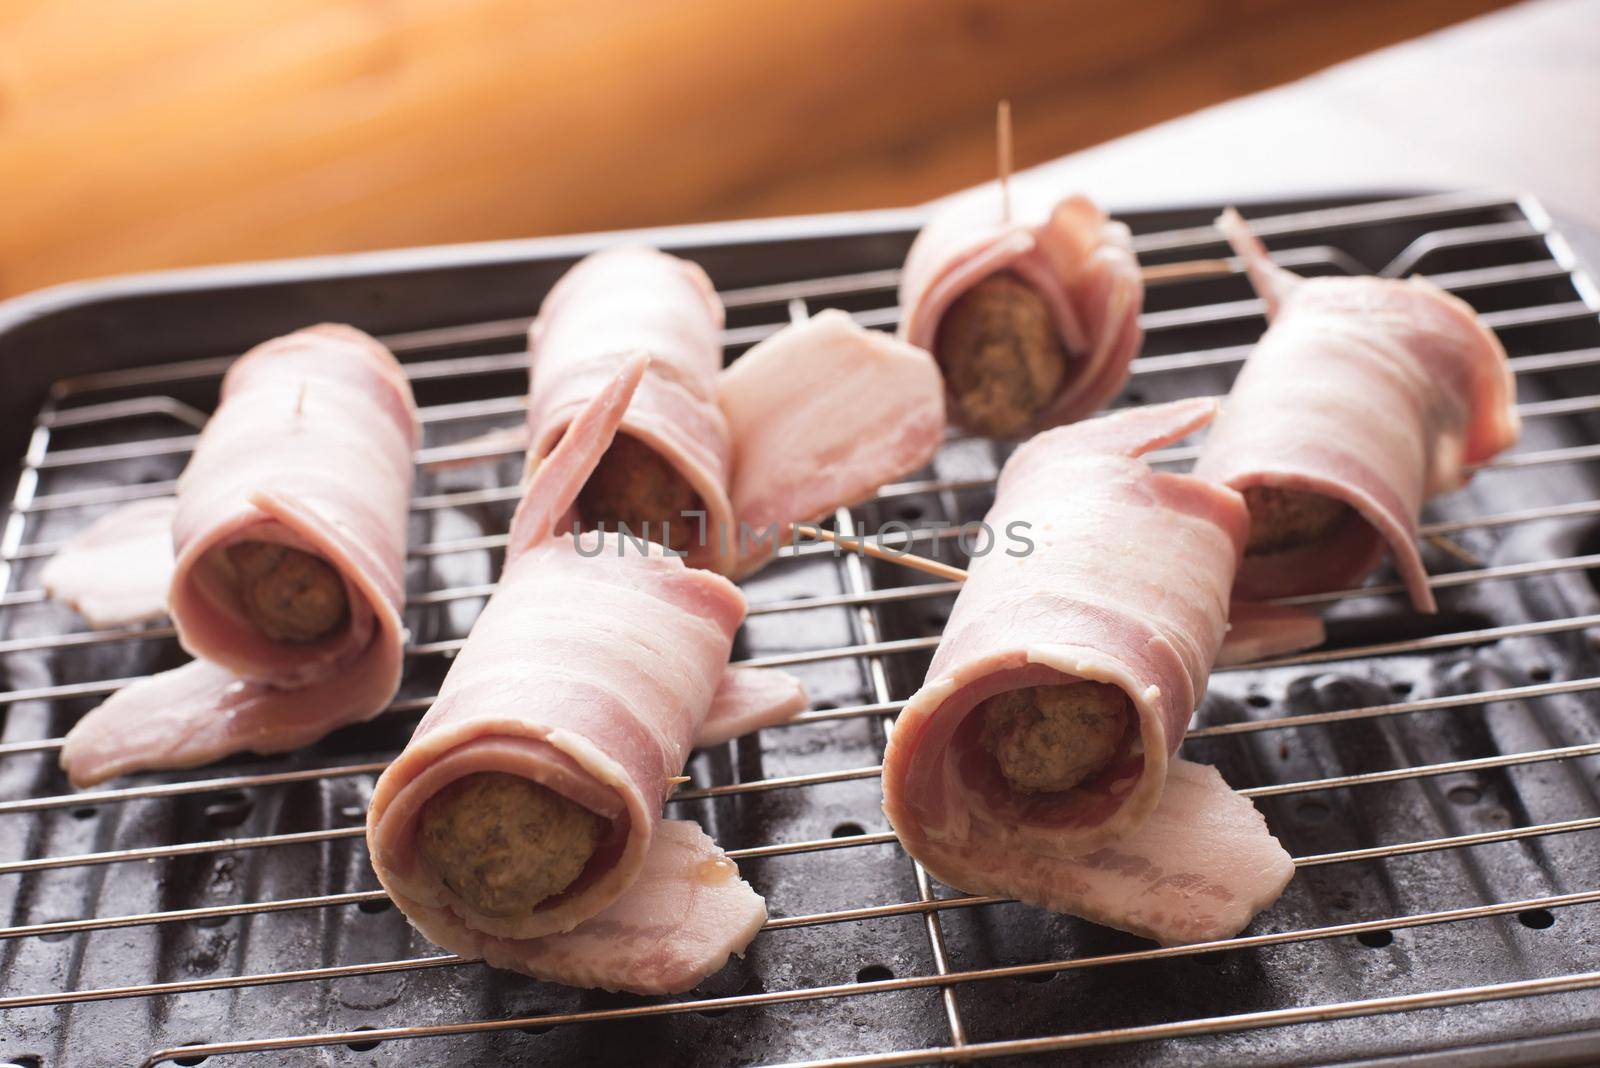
(1165,272)
(1002,145)
(798,313)
(878,552)
(1171,272)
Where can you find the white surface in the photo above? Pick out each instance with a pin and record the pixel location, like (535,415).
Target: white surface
(1509,100)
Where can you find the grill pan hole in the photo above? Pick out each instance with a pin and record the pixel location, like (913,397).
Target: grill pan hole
(1313,811)
(1376,939)
(848,830)
(874,973)
(201,1059)
(1539,674)
(53,936)
(27,1060)
(1537,919)
(85,813)
(362,1047)
(375,906)
(229,810)
(1465,795)
(908,513)
(1400,689)
(1258,700)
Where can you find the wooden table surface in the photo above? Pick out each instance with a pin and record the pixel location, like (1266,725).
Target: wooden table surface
(164,133)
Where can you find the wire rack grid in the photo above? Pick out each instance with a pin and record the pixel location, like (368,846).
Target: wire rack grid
(1391,761)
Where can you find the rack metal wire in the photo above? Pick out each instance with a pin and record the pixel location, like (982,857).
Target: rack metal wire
(858,643)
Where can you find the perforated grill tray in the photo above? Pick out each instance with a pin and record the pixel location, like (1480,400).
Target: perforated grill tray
(1435,777)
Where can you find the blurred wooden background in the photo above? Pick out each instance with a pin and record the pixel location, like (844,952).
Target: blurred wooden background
(173,132)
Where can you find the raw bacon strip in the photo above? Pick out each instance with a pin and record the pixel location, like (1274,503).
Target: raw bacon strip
(116,571)
(200,713)
(748,699)
(322,422)
(1120,576)
(1375,392)
(1199,869)
(590,672)
(554,483)
(1259,631)
(628,301)
(823,413)
(1077,260)
(597,664)
(678,923)
(310,448)
(1125,581)
(815,417)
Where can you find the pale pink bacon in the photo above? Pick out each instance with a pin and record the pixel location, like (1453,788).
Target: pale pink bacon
(554,482)
(1258,631)
(1377,392)
(1081,264)
(748,699)
(823,413)
(1121,575)
(598,669)
(638,301)
(1199,869)
(310,447)
(676,924)
(815,417)
(595,667)
(116,571)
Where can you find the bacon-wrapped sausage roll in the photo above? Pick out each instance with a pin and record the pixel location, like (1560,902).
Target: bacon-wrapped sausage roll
(673,452)
(1034,324)
(523,820)
(716,463)
(290,531)
(1037,759)
(1365,397)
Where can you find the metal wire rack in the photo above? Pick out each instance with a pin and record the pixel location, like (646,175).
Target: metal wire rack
(1435,778)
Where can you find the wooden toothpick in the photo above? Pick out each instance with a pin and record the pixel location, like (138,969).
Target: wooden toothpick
(1164,272)
(1170,272)
(878,552)
(1454,548)
(1002,146)
(798,312)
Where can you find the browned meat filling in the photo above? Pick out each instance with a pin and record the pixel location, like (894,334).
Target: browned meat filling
(290,595)
(1048,738)
(634,486)
(505,843)
(1285,519)
(1002,359)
